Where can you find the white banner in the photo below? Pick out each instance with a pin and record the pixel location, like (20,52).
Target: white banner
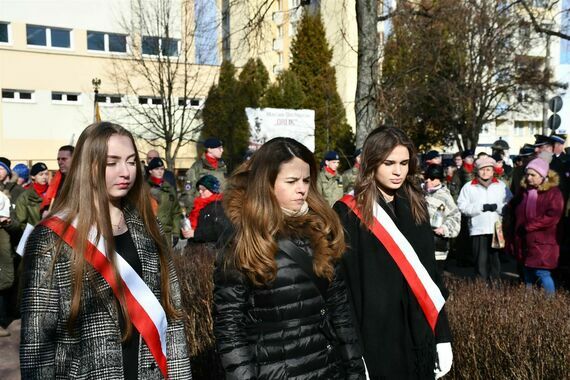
(267,123)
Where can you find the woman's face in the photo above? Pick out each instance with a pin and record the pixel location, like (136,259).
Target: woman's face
(432,182)
(292,184)
(204,192)
(158,172)
(391,174)
(41,178)
(121,169)
(533,179)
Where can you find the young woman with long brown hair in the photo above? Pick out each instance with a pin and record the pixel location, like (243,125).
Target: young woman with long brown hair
(390,264)
(281,308)
(100,295)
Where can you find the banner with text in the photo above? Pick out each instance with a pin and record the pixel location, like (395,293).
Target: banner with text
(267,123)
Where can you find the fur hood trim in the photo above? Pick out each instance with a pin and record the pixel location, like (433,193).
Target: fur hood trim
(552,180)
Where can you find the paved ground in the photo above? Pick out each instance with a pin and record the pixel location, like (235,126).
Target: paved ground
(9,346)
(9,351)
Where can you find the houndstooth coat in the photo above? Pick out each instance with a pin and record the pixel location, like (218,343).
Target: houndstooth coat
(93,349)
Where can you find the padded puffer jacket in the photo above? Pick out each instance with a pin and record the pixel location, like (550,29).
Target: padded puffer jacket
(286,330)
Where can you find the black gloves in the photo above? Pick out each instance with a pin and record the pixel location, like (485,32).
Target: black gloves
(490,207)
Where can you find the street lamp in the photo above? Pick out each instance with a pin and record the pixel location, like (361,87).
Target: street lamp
(96,82)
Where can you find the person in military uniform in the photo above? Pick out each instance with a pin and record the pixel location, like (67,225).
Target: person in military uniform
(164,200)
(349,176)
(212,163)
(29,205)
(329,181)
(560,163)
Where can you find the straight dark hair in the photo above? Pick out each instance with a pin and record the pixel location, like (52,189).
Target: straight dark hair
(377,147)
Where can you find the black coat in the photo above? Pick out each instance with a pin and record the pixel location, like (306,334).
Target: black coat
(285,330)
(396,338)
(212,223)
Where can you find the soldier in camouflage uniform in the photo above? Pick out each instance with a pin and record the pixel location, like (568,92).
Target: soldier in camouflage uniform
(349,176)
(164,200)
(329,181)
(210,163)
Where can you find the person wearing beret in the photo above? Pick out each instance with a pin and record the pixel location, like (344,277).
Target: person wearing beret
(7,186)
(210,162)
(23,173)
(28,205)
(482,200)
(329,181)
(349,176)
(164,200)
(535,213)
(207,218)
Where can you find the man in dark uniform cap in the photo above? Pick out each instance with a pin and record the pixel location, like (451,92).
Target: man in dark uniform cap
(560,163)
(526,153)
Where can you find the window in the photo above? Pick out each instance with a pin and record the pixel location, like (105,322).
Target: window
(150,100)
(64,97)
(38,35)
(192,102)
(4,32)
(108,99)
(108,42)
(280,31)
(156,45)
(10,95)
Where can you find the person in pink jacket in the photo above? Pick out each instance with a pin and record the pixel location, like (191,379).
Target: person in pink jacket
(533,238)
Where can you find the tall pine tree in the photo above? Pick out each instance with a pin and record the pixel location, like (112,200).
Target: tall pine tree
(311,62)
(224,115)
(224,110)
(286,92)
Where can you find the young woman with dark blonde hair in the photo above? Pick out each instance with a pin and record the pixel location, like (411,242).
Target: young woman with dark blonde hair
(396,292)
(100,295)
(281,308)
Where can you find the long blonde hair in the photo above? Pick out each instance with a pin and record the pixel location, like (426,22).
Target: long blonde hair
(84,198)
(251,205)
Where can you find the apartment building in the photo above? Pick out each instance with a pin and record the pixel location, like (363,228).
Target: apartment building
(50,52)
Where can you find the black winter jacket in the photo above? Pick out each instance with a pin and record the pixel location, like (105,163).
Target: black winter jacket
(212,223)
(286,330)
(396,338)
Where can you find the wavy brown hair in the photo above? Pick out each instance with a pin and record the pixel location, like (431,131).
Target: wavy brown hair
(377,147)
(251,205)
(84,198)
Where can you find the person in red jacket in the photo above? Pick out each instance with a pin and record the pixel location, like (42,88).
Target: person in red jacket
(533,237)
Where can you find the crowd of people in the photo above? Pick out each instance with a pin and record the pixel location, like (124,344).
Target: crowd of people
(320,273)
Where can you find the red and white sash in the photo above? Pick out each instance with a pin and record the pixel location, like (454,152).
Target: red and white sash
(420,282)
(145,311)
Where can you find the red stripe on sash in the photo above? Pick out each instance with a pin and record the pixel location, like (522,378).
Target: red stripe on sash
(138,315)
(418,289)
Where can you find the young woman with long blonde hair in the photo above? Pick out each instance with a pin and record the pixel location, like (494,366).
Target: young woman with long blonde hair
(281,307)
(100,295)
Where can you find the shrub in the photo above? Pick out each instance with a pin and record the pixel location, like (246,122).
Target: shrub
(508,332)
(195,266)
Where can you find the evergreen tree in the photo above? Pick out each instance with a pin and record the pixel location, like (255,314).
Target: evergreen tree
(254,79)
(286,92)
(224,115)
(311,62)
